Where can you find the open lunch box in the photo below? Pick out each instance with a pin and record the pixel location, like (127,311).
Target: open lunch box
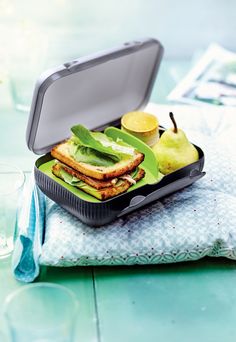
(95,92)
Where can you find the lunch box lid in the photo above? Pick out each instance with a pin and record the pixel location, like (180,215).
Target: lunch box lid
(93,91)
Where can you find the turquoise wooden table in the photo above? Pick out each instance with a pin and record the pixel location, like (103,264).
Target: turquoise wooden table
(187,302)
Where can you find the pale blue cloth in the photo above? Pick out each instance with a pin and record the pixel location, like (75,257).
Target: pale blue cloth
(30,233)
(188,225)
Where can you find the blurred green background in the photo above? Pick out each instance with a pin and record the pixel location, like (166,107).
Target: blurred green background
(88,25)
(36,35)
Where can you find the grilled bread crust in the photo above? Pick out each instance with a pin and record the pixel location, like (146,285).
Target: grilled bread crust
(61,153)
(105,193)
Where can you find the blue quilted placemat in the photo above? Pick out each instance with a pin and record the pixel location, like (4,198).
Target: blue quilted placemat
(197,221)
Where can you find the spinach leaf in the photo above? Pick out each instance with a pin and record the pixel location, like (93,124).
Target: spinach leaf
(102,144)
(119,146)
(68,178)
(90,156)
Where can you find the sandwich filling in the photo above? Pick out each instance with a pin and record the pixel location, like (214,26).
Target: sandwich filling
(96,164)
(99,189)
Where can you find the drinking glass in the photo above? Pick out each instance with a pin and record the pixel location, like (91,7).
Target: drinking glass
(11,183)
(41,312)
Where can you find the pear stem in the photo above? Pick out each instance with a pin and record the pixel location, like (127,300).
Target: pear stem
(174,122)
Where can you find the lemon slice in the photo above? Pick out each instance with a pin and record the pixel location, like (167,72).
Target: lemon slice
(142,125)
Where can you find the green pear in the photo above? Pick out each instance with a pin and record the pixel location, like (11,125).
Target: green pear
(173,150)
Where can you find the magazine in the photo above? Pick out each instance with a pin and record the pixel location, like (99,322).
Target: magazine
(212,81)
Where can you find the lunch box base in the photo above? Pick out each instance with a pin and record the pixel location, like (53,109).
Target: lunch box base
(103,212)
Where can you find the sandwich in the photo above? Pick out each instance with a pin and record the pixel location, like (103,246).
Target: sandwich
(97,164)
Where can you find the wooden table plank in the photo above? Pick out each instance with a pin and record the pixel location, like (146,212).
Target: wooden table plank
(194,301)
(79,280)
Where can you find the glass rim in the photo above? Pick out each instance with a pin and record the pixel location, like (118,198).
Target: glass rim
(11,296)
(20,172)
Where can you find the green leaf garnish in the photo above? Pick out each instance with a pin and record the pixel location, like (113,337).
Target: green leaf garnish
(90,156)
(101,143)
(86,139)
(68,178)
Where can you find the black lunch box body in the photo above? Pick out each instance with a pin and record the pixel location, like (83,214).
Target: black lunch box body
(96,91)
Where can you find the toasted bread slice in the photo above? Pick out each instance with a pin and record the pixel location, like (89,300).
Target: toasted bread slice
(102,194)
(95,183)
(61,152)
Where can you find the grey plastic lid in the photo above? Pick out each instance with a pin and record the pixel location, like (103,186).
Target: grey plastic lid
(93,91)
